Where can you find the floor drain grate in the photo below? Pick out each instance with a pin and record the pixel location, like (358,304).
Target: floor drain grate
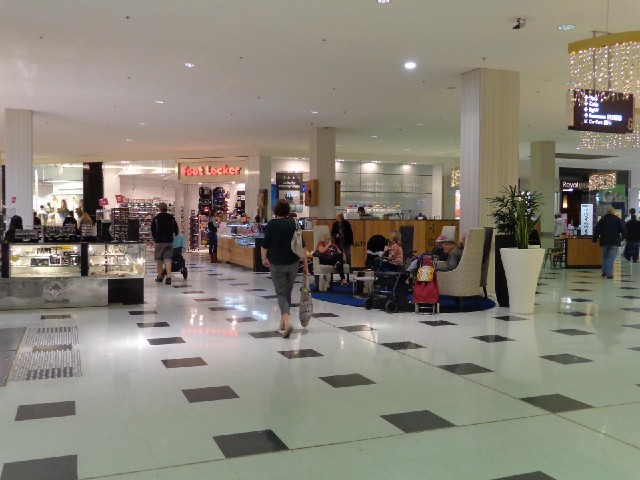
(46,365)
(48,336)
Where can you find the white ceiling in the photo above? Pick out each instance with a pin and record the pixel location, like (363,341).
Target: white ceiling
(92,71)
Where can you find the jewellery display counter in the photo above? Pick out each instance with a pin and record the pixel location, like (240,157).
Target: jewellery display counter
(52,275)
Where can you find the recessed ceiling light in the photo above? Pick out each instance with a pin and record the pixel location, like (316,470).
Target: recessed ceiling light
(374,136)
(315,112)
(384,1)
(407,149)
(159,101)
(419,124)
(129,140)
(566,26)
(410,65)
(189,65)
(142,123)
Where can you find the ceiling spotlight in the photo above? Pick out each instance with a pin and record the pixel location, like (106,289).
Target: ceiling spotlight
(159,101)
(520,23)
(566,26)
(410,65)
(384,1)
(189,65)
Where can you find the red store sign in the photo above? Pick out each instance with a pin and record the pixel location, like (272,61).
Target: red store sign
(208,170)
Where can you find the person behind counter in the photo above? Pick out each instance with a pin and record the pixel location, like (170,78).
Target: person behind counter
(14,224)
(212,226)
(36,220)
(80,209)
(343,234)
(452,252)
(63,211)
(70,220)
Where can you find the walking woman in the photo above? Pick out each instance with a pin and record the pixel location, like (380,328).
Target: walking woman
(278,257)
(212,226)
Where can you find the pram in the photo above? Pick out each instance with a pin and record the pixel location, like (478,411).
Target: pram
(178,263)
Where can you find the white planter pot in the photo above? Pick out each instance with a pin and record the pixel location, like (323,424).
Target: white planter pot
(522,269)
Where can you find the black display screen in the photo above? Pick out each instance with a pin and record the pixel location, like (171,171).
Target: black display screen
(601,111)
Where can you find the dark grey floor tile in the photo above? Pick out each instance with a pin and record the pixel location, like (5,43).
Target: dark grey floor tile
(153,325)
(249,443)
(572,331)
(295,305)
(269,297)
(583,282)
(271,334)
(566,358)
(255,290)
(242,319)
(222,309)
(54,316)
(184,362)
(325,315)
(209,394)
(437,323)
(628,288)
(349,380)
(556,403)
(630,297)
(493,338)
(357,328)
(10,338)
(402,345)
(142,312)
(511,318)
(38,411)
(528,476)
(543,284)
(626,281)
(52,468)
(417,421)
(182,286)
(165,341)
(191,292)
(304,353)
(581,300)
(576,314)
(637,325)
(637,349)
(580,290)
(211,299)
(636,310)
(238,284)
(464,368)
(226,279)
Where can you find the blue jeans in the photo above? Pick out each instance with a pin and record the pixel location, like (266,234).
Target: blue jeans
(609,254)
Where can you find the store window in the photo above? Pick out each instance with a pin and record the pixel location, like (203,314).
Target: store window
(57,191)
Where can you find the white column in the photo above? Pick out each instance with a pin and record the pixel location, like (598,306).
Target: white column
(258,178)
(111,183)
(322,167)
(437,194)
(181,204)
(543,180)
(489,141)
(19,166)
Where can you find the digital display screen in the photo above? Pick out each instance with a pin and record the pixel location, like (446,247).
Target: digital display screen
(602,111)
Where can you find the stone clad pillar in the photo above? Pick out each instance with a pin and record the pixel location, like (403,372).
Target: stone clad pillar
(489,137)
(543,180)
(19,163)
(322,167)
(258,178)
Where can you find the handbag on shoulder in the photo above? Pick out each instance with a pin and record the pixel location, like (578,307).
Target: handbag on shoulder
(297,246)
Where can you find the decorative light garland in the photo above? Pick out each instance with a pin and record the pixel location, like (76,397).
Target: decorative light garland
(455,177)
(612,63)
(602,181)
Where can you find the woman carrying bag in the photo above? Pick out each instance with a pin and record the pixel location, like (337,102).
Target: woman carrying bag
(281,261)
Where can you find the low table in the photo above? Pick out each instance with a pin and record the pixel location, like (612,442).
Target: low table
(355,281)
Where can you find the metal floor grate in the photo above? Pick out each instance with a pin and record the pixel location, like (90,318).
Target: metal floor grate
(43,365)
(48,336)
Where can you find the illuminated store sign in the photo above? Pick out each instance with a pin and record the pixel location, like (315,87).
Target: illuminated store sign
(578,185)
(208,170)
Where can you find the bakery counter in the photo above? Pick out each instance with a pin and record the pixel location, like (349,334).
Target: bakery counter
(581,252)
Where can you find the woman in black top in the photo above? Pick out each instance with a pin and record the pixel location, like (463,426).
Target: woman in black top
(278,257)
(14,224)
(343,234)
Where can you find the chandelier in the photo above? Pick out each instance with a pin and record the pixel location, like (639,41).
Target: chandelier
(455,177)
(610,62)
(602,181)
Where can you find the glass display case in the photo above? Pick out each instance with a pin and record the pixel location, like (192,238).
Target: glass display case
(114,260)
(44,260)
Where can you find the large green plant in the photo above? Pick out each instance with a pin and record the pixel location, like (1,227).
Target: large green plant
(515,213)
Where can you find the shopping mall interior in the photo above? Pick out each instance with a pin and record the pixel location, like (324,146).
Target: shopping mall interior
(111,108)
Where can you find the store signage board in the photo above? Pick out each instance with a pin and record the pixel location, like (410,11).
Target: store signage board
(576,185)
(207,170)
(119,198)
(289,181)
(586,217)
(602,111)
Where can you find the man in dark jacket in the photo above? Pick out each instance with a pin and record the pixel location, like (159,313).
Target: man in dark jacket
(610,230)
(633,237)
(163,227)
(342,232)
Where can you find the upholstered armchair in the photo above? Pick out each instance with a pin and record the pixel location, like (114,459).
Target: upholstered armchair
(323,274)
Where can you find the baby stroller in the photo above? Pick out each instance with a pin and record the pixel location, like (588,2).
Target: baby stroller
(426,295)
(178,264)
(391,291)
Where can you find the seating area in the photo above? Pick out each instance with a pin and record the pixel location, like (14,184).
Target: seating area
(557,254)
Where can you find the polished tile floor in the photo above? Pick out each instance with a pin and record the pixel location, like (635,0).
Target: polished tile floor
(198,384)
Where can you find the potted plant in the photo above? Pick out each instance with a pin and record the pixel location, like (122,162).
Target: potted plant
(515,214)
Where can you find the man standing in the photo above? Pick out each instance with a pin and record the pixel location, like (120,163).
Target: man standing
(559,227)
(610,230)
(163,226)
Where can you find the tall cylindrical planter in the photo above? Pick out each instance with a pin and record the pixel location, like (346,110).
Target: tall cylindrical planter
(522,269)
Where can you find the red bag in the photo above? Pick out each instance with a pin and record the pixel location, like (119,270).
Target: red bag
(426,292)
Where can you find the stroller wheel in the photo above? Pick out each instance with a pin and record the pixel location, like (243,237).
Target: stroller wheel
(368,304)
(391,306)
(185,273)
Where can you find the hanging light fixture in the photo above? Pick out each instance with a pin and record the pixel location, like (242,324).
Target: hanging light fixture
(455,177)
(608,62)
(602,181)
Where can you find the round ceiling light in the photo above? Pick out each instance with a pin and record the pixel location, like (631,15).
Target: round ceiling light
(410,65)
(566,26)
(384,1)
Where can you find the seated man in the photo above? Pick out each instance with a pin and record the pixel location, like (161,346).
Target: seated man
(451,250)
